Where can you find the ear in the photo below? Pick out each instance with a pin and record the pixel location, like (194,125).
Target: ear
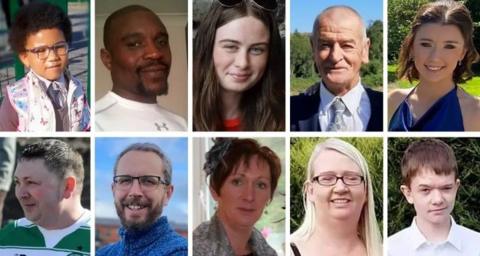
(24,59)
(407,193)
(168,195)
(309,192)
(70,186)
(106,58)
(365,51)
(214,194)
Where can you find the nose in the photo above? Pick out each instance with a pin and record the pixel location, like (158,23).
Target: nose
(434,53)
(336,53)
(52,55)
(248,193)
(242,59)
(340,186)
(21,192)
(437,197)
(152,51)
(135,189)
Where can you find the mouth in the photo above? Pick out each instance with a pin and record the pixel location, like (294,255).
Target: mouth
(340,201)
(154,68)
(433,68)
(247,210)
(56,66)
(440,210)
(135,206)
(240,77)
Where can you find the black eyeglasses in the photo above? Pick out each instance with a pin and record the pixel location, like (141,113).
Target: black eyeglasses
(147,182)
(268,5)
(330,179)
(42,52)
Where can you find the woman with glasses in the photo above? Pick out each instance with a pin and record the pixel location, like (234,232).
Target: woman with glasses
(242,177)
(339,208)
(438,52)
(48,98)
(238,70)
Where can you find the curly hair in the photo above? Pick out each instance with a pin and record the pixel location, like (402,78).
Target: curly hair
(226,155)
(262,106)
(34,17)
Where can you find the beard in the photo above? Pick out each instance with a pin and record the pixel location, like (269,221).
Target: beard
(156,83)
(137,225)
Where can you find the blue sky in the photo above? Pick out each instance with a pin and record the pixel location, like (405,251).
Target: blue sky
(303,12)
(106,152)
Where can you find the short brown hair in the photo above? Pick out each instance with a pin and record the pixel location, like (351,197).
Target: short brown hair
(444,13)
(433,154)
(225,156)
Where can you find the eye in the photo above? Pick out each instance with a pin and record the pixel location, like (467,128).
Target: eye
(323,45)
(39,49)
(424,44)
(262,185)
(134,44)
(257,50)
(348,46)
(149,181)
(425,190)
(161,41)
(124,180)
(450,46)
(237,181)
(230,47)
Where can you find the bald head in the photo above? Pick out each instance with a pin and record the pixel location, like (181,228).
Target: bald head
(340,14)
(111,26)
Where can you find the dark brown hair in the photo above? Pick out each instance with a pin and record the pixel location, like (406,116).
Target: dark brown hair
(431,154)
(262,106)
(444,13)
(227,153)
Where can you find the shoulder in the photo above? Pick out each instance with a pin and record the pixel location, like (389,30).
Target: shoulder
(104,103)
(172,117)
(205,239)
(469,235)
(470,106)
(398,240)
(305,104)
(261,246)
(110,249)
(395,97)
(10,233)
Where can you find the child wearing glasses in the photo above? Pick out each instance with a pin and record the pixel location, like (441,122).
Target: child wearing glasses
(238,68)
(48,98)
(430,183)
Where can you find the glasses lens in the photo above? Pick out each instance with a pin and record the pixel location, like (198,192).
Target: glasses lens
(149,181)
(267,4)
(229,3)
(123,181)
(61,48)
(352,180)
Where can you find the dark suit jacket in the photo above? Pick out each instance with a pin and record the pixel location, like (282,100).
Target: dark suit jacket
(304,111)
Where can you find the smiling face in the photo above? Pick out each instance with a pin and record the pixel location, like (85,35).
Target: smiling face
(39,192)
(138,56)
(339,49)
(244,193)
(54,65)
(436,51)
(340,201)
(240,53)
(137,207)
(432,195)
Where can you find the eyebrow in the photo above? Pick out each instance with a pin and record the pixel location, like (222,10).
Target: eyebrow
(448,41)
(238,42)
(140,35)
(441,186)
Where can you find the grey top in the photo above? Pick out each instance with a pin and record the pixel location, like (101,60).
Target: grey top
(210,238)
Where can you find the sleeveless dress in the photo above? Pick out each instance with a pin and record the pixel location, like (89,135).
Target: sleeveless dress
(444,115)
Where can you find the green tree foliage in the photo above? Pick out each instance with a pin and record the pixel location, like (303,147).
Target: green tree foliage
(474,7)
(467,209)
(300,151)
(301,60)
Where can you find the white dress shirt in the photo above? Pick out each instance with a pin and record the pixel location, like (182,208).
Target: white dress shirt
(357,113)
(410,241)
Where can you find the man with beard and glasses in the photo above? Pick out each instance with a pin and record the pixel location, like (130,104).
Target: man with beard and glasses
(141,188)
(48,185)
(137,53)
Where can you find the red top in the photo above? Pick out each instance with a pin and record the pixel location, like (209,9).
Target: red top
(232,125)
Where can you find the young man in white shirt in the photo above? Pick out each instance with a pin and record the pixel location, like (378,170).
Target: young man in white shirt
(430,184)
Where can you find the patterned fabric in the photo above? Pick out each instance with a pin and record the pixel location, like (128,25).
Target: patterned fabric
(35,110)
(210,239)
(337,123)
(158,240)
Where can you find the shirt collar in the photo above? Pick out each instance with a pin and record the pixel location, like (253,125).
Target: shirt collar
(351,99)
(418,239)
(60,80)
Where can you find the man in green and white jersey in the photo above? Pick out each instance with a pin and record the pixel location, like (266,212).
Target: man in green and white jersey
(48,184)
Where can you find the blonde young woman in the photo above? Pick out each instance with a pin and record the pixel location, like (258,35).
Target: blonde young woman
(339,207)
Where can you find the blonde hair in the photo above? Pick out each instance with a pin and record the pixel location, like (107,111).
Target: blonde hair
(367,225)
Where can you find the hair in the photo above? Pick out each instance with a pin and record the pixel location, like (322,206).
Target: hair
(149,147)
(262,106)
(107,28)
(226,155)
(316,24)
(34,17)
(444,13)
(59,158)
(367,226)
(428,154)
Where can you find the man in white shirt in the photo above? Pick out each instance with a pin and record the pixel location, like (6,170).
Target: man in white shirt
(339,102)
(137,53)
(430,184)
(48,185)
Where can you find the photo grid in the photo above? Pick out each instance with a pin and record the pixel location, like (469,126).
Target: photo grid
(239,127)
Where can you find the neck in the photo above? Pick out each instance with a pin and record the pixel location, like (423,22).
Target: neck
(238,236)
(339,89)
(142,98)
(231,105)
(434,232)
(337,231)
(431,92)
(67,215)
